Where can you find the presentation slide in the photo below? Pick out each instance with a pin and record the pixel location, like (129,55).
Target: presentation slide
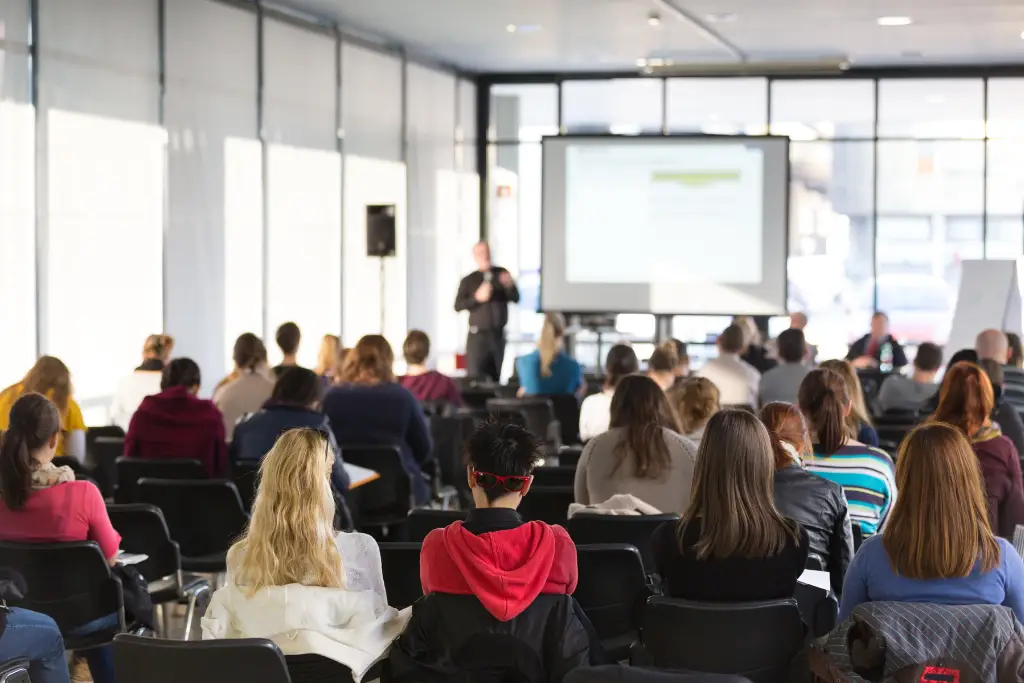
(665,225)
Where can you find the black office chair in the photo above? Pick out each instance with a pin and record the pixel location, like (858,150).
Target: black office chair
(892,427)
(569,456)
(858,535)
(540,416)
(384,502)
(144,531)
(423,520)
(130,470)
(245,474)
(152,660)
(319,669)
(204,517)
(547,504)
(567,413)
(92,434)
(614,673)
(562,475)
(104,451)
(69,582)
(758,640)
(636,530)
(612,590)
(448,435)
(477,397)
(400,563)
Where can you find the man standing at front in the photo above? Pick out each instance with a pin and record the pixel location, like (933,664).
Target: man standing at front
(486,293)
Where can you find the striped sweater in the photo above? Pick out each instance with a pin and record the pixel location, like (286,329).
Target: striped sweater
(868,478)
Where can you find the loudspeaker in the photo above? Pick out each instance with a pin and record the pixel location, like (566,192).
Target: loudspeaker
(380,230)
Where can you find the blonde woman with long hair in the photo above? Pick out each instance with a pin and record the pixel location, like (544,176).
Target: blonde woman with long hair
(295,580)
(858,422)
(51,378)
(327,356)
(549,369)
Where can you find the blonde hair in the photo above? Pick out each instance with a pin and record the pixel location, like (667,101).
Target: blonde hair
(51,378)
(369,361)
(290,538)
(695,402)
(327,357)
(859,410)
(548,344)
(158,346)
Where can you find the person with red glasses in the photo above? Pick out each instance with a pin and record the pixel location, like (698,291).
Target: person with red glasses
(497,588)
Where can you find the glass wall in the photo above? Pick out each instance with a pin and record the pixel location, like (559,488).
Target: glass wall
(894,182)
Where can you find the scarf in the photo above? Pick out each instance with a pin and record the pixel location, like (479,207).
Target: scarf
(45,476)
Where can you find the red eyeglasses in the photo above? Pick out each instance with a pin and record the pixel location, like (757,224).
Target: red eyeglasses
(510,483)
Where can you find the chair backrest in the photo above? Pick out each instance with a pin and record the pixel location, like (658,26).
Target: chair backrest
(758,640)
(477,397)
(539,412)
(104,451)
(14,671)
(400,563)
(547,504)
(69,582)
(423,520)
(858,535)
(245,474)
(561,475)
(319,669)
(569,455)
(204,516)
(612,588)
(448,435)
(130,470)
(614,673)
(567,412)
(390,495)
(101,432)
(153,660)
(636,530)
(144,531)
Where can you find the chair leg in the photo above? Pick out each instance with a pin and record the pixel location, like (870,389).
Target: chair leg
(189,615)
(165,620)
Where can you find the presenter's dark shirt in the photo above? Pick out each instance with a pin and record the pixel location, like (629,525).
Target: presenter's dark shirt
(862,346)
(492,315)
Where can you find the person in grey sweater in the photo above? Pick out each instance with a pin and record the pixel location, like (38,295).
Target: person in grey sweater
(912,393)
(782,383)
(641,454)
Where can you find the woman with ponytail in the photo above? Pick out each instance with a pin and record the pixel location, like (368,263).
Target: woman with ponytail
(966,401)
(51,378)
(866,474)
(818,505)
(143,381)
(42,503)
(549,369)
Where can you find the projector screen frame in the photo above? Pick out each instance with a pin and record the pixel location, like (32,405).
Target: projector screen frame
(666,136)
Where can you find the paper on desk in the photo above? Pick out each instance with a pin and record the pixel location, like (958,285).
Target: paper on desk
(813,577)
(360,475)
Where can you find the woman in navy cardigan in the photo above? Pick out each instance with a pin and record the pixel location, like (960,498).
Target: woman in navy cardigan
(370,408)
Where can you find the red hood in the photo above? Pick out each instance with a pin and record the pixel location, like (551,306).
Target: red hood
(176,406)
(505,570)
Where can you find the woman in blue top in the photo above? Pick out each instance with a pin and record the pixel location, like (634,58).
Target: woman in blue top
(938,546)
(549,369)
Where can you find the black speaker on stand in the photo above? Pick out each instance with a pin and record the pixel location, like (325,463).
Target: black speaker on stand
(380,241)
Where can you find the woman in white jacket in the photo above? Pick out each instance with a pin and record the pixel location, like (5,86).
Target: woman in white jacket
(292,579)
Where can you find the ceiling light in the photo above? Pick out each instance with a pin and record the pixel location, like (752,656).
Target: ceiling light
(895,21)
(1022,35)
(511,28)
(722,17)
(654,19)
(641,63)
(935,99)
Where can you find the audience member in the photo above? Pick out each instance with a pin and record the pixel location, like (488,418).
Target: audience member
(293,579)
(968,355)
(42,503)
(288,337)
(177,424)
(327,357)
(731,544)
(965,401)
(248,387)
(817,504)
(866,474)
(695,402)
(938,546)
(737,381)
(295,403)
(51,378)
(661,366)
(596,409)
(996,376)
(144,380)
(25,634)
(371,408)
(798,321)
(782,382)
(425,384)
(682,361)
(642,454)
(506,564)
(549,369)
(754,351)
(1015,359)
(858,422)
(994,345)
(912,393)
(866,352)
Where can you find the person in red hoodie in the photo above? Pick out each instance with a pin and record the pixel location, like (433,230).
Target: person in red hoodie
(177,424)
(497,588)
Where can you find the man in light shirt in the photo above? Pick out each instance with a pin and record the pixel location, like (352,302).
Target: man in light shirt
(737,381)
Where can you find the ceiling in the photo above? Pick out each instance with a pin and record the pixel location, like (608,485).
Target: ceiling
(600,35)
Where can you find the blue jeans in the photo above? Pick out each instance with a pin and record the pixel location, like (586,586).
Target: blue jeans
(100,659)
(36,637)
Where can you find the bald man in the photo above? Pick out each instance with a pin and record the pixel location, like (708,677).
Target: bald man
(486,293)
(992,344)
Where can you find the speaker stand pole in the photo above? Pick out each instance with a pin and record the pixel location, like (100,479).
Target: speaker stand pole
(382,315)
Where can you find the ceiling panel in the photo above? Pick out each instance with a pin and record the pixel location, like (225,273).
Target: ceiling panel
(589,35)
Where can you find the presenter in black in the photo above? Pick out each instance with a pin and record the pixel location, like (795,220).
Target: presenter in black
(486,293)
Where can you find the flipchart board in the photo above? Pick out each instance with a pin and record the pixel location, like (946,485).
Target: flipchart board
(989,297)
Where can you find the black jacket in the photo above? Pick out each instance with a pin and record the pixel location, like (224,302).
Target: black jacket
(453,638)
(492,315)
(819,506)
(860,348)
